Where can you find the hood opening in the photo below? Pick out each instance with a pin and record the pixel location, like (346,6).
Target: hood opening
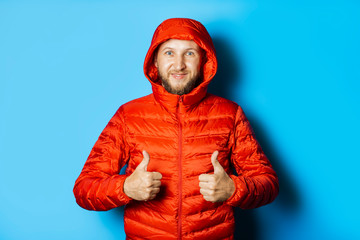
(182,29)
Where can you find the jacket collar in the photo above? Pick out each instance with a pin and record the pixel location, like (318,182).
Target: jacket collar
(171,101)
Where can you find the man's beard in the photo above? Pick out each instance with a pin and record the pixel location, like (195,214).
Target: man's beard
(190,85)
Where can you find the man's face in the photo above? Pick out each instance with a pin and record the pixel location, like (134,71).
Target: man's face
(179,63)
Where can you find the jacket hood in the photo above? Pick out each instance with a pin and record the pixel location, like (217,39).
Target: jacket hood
(183,29)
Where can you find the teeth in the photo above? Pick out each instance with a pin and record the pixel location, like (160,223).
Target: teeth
(178,75)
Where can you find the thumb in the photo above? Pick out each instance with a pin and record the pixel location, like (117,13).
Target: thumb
(144,163)
(217,166)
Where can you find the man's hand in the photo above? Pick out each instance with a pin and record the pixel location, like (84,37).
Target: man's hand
(217,187)
(142,185)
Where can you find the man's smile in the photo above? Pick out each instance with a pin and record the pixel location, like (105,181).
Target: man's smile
(178,76)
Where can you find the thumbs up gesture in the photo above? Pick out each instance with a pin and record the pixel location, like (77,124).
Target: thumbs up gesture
(142,185)
(217,187)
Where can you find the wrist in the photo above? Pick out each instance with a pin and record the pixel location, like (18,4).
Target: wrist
(231,187)
(126,188)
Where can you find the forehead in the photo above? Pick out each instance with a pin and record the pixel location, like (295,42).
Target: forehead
(179,44)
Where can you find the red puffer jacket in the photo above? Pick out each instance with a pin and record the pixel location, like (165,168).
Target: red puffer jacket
(180,133)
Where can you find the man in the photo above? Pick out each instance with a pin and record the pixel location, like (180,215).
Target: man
(180,144)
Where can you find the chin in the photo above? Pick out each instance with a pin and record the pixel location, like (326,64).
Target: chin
(178,87)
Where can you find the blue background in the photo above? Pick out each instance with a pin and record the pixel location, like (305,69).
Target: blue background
(66,66)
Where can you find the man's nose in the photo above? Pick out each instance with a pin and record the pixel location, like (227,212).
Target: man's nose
(179,63)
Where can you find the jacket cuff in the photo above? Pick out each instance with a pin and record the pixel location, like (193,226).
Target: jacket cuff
(120,185)
(241,191)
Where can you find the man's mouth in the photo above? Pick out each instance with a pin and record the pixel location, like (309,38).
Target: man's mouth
(178,76)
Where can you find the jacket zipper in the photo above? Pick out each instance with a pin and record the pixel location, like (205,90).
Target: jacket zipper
(180,169)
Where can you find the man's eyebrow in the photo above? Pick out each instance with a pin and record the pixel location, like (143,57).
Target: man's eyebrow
(196,49)
(167,48)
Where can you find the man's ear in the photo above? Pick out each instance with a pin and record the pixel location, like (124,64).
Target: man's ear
(203,57)
(155,59)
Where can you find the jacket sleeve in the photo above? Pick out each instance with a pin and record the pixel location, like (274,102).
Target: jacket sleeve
(256,183)
(99,186)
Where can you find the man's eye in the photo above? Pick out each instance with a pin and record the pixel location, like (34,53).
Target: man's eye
(189,53)
(168,53)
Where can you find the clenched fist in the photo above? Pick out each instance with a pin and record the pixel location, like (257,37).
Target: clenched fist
(142,185)
(217,187)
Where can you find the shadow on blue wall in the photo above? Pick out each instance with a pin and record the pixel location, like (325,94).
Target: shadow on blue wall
(230,70)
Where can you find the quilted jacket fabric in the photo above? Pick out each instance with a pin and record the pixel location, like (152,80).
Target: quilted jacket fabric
(180,133)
